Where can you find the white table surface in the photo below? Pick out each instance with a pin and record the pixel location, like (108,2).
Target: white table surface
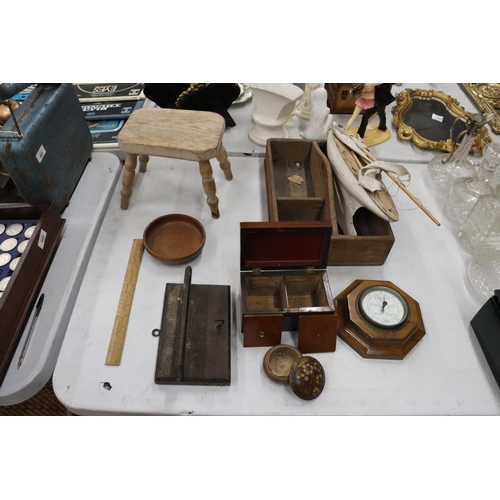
(83,218)
(445,374)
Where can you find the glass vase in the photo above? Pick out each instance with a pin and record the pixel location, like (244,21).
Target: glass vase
(483,273)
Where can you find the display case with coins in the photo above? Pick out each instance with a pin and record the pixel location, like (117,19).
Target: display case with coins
(29,236)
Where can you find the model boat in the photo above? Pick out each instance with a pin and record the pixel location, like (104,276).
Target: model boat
(358,181)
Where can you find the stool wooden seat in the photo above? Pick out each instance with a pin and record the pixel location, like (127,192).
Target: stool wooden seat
(174,133)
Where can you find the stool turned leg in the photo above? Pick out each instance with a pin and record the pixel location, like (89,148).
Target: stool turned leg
(209,187)
(143,162)
(128,180)
(224,162)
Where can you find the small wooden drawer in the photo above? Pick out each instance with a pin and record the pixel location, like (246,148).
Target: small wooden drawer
(318,333)
(262,330)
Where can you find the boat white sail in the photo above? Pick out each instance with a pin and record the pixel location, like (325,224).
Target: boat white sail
(350,164)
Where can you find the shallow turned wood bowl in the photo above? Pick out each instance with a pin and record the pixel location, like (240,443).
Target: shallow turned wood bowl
(279,360)
(174,238)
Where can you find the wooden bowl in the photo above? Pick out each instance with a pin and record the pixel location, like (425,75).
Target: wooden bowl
(174,238)
(279,360)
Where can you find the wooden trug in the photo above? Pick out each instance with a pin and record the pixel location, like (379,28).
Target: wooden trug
(313,200)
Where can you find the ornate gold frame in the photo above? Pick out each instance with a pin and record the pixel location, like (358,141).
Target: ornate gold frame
(486,98)
(407,133)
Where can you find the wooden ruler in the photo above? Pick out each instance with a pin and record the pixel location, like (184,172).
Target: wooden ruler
(117,340)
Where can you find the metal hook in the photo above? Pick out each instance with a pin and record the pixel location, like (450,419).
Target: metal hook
(219,323)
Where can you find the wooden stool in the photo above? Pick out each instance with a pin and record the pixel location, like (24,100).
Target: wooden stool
(174,133)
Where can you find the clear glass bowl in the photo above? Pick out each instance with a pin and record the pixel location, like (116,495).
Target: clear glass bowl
(483,273)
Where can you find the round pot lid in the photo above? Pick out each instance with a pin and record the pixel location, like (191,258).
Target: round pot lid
(307,378)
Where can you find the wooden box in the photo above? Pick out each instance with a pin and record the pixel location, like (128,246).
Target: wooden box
(283,279)
(25,280)
(313,200)
(339,99)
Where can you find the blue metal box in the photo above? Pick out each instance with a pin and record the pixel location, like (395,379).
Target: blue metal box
(46,154)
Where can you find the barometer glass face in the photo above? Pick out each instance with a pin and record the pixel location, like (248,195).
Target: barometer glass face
(383,307)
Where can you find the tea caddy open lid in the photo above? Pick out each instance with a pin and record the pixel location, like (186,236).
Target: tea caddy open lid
(284,245)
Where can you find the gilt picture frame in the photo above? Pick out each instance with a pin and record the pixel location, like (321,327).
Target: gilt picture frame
(426,117)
